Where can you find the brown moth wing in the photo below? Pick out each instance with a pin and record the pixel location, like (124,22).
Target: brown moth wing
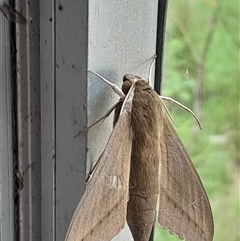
(184,207)
(101,212)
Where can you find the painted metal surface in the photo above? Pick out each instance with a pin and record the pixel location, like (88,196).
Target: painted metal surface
(6,167)
(28,120)
(71,108)
(48,112)
(63,45)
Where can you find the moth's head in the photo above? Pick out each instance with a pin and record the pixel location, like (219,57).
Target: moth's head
(128,80)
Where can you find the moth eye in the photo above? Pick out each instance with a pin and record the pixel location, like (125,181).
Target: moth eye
(126,86)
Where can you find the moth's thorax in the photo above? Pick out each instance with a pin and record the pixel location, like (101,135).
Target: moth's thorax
(146,112)
(146,123)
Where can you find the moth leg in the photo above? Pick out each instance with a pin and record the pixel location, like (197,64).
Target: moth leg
(105,115)
(115,88)
(184,107)
(93,169)
(169,114)
(101,119)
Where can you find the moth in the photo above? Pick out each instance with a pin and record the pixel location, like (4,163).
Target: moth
(144,166)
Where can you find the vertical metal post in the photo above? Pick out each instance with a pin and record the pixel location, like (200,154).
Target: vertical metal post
(71,107)
(161,23)
(28,119)
(6,144)
(64,58)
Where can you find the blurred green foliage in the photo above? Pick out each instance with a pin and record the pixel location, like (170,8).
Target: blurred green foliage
(201,69)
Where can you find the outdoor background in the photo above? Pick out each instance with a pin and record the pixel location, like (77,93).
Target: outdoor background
(201,70)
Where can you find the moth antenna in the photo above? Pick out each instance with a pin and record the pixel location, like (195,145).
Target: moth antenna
(115,88)
(184,107)
(151,66)
(169,114)
(101,119)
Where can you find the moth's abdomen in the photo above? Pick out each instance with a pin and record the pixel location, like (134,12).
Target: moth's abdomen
(141,215)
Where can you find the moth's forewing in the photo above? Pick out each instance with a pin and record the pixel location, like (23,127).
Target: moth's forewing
(184,207)
(101,212)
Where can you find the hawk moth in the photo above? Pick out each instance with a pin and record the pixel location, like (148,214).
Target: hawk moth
(144,166)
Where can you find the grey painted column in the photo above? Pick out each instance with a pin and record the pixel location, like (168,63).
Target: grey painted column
(28,108)
(71,107)
(63,44)
(48,119)
(6,158)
